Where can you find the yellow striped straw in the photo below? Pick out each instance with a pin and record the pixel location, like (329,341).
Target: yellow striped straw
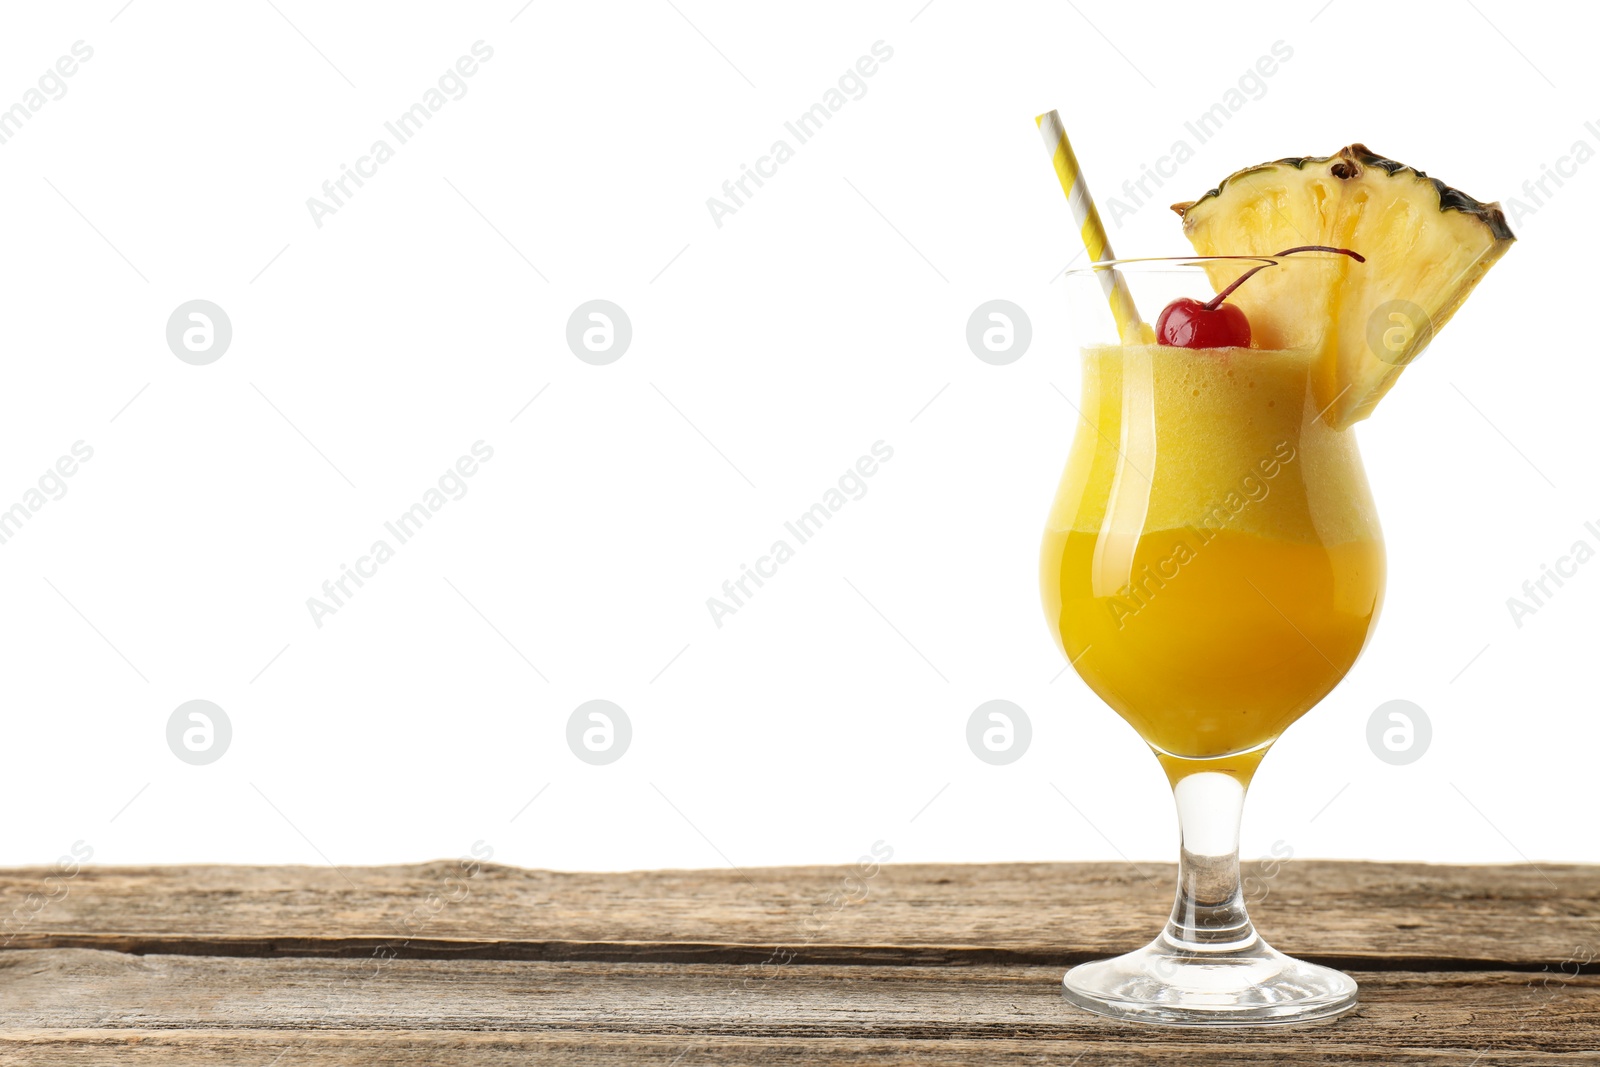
(1090,227)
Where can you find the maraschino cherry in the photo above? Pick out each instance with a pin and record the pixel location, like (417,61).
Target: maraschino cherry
(1188,323)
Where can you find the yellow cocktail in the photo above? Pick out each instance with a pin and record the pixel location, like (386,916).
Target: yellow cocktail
(1211,567)
(1212,564)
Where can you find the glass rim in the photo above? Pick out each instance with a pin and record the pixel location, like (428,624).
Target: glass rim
(1144,264)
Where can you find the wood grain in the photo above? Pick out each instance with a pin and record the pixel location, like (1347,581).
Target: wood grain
(1369,915)
(84,990)
(214,1048)
(436,964)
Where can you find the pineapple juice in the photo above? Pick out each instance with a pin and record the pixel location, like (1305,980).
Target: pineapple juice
(1212,565)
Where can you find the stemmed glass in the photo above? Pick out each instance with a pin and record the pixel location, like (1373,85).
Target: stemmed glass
(1212,567)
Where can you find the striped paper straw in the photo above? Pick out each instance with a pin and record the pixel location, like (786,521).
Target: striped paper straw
(1092,230)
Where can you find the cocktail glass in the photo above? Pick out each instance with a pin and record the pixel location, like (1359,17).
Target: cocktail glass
(1212,568)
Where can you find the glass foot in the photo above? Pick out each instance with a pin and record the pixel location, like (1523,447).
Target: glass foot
(1252,985)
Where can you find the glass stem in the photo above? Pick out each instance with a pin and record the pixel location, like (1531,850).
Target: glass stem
(1208,916)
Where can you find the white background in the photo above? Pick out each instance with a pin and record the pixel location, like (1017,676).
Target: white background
(823,316)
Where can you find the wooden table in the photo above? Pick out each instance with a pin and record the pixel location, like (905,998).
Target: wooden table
(442,963)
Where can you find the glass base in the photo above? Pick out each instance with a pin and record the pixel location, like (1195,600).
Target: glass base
(1251,985)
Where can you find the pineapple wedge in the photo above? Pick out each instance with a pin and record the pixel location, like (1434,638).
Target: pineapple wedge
(1426,246)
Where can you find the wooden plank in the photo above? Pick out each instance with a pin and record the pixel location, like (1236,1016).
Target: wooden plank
(211,1048)
(48,993)
(1413,916)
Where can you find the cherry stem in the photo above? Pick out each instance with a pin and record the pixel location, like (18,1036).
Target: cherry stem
(1216,301)
(1357,256)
